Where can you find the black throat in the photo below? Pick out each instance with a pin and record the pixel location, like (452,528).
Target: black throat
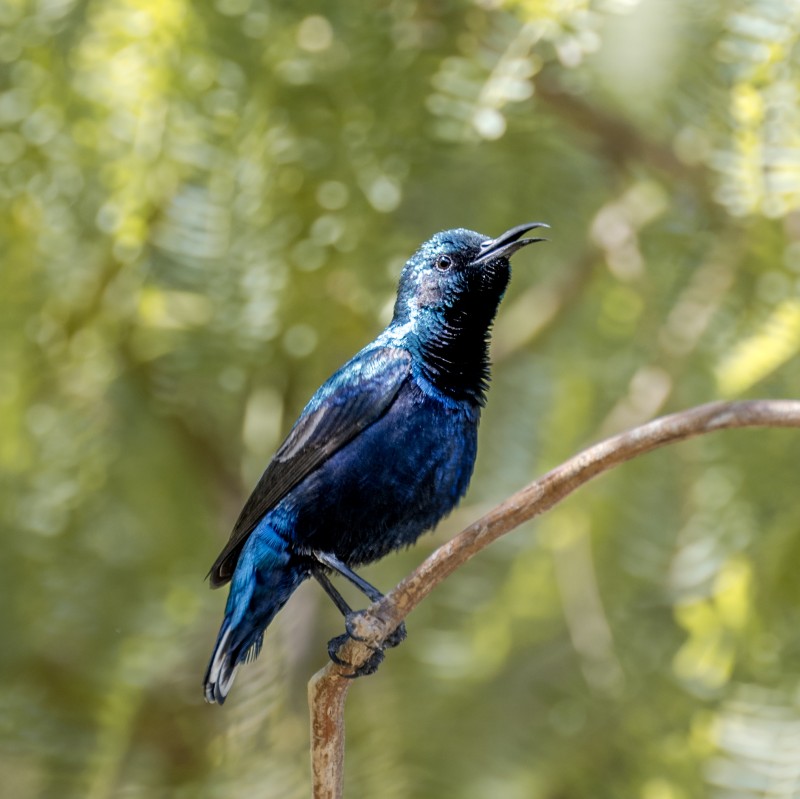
(455,355)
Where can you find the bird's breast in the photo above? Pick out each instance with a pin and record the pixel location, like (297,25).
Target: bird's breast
(391,483)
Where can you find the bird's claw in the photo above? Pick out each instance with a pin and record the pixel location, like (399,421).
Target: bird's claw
(352,625)
(333,648)
(397,637)
(378,654)
(369,667)
(365,669)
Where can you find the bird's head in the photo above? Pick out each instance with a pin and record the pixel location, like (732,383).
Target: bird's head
(458,276)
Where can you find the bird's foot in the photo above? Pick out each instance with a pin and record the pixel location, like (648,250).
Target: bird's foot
(353,631)
(352,623)
(370,666)
(397,637)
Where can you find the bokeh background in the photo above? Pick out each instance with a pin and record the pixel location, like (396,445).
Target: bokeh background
(205,208)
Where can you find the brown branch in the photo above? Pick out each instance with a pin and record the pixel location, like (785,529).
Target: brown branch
(326,695)
(328,688)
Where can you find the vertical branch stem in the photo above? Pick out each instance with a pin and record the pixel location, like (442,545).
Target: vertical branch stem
(327,692)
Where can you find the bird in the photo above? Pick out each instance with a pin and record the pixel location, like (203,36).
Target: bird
(383,450)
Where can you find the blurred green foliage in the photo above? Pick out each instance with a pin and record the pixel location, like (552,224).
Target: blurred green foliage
(206,206)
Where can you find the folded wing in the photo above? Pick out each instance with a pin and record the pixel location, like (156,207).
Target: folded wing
(351,400)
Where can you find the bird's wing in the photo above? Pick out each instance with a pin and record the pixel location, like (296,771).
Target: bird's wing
(355,397)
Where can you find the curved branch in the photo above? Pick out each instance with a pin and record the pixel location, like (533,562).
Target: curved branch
(328,688)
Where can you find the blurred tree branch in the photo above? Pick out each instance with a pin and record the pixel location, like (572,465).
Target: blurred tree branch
(327,690)
(619,140)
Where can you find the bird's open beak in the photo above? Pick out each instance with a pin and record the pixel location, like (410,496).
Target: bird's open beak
(505,245)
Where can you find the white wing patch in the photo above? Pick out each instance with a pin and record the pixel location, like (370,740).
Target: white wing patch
(295,444)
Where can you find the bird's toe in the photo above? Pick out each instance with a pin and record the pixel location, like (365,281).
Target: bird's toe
(352,624)
(333,649)
(365,669)
(369,667)
(397,637)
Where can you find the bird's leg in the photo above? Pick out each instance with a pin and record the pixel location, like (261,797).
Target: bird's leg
(332,562)
(327,585)
(346,611)
(373,594)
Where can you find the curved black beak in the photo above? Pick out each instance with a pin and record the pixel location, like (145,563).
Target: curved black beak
(506,244)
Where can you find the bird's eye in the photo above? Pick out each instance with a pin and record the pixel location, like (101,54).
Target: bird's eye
(444,262)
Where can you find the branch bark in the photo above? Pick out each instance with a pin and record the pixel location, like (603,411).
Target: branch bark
(328,688)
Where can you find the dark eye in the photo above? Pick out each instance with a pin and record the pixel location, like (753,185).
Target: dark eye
(444,262)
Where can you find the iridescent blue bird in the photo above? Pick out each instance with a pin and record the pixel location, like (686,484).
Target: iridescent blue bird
(383,450)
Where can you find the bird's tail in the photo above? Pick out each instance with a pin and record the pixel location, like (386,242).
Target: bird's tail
(265,578)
